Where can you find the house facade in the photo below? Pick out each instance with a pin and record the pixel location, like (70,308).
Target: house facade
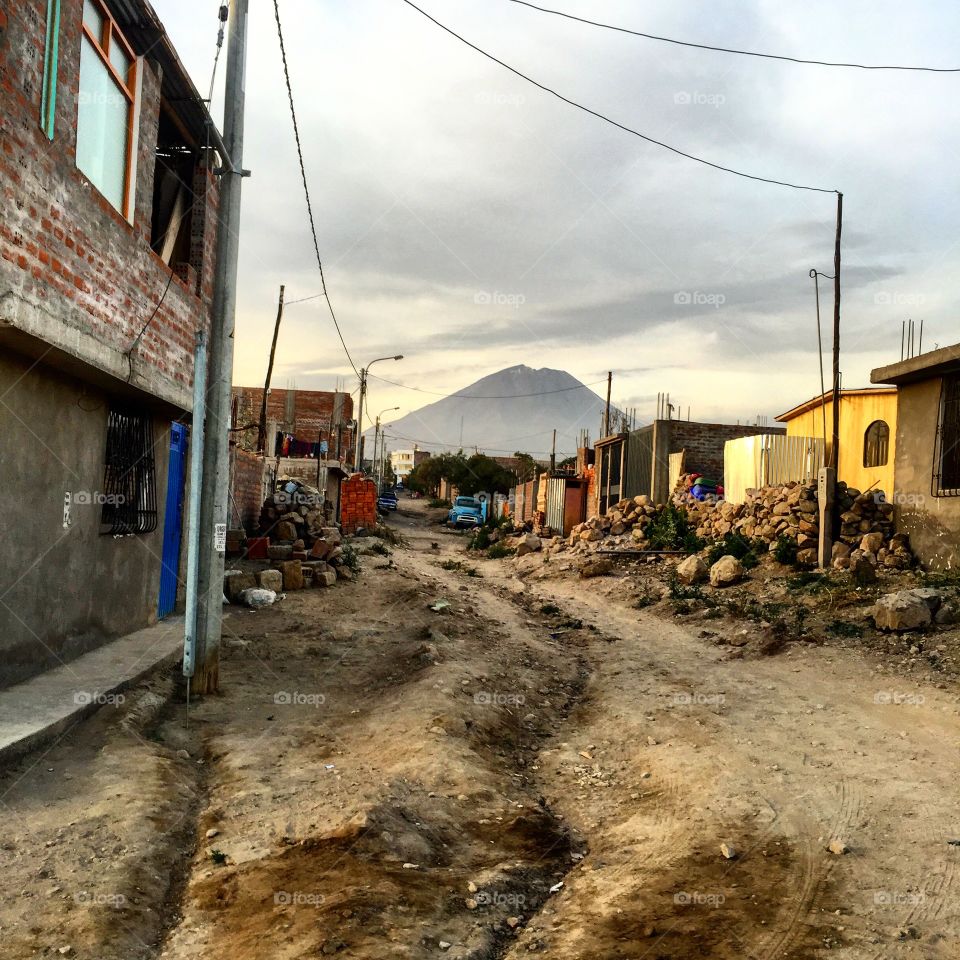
(868,431)
(107,255)
(926,484)
(403,462)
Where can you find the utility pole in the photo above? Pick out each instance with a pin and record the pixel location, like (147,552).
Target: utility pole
(606,413)
(262,427)
(363,390)
(553,452)
(827,478)
(215,492)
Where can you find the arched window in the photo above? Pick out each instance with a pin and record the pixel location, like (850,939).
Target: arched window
(876,444)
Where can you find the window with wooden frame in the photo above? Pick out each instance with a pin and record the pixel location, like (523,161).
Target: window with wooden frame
(105,110)
(876,444)
(946,460)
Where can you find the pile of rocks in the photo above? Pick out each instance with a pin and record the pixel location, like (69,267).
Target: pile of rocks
(788,510)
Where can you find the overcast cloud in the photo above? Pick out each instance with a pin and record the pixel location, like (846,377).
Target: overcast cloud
(471,221)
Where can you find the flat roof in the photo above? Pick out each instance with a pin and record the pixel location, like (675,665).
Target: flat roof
(922,367)
(814,403)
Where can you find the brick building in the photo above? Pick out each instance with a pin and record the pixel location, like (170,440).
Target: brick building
(309,416)
(107,250)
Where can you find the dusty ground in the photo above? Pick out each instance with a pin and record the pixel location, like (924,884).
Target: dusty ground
(378,779)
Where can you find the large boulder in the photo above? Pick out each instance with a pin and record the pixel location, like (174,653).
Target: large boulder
(285,530)
(693,570)
(596,568)
(292,575)
(871,542)
(906,609)
(235,582)
(528,544)
(726,571)
(270,580)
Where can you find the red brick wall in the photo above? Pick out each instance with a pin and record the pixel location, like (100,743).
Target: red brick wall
(591,474)
(63,247)
(312,410)
(247,488)
(358,503)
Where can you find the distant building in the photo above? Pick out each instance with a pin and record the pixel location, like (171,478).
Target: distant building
(868,426)
(926,465)
(403,462)
(107,257)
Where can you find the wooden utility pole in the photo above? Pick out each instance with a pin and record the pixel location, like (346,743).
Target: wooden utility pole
(262,427)
(606,412)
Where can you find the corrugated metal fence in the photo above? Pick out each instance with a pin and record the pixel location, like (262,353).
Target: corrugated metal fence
(752,462)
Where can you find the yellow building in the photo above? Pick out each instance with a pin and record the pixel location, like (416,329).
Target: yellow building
(868,430)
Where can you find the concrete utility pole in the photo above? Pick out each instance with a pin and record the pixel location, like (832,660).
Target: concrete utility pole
(363,392)
(606,412)
(827,478)
(215,493)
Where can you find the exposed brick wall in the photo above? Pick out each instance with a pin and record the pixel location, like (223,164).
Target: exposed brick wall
(703,443)
(311,414)
(247,487)
(358,503)
(65,252)
(591,474)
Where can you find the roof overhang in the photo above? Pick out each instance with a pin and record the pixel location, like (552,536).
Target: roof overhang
(814,403)
(922,367)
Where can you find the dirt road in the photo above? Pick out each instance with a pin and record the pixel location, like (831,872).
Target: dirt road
(534,768)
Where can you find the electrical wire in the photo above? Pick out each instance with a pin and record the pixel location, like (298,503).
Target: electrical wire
(306,189)
(745,53)
(471,396)
(460,446)
(610,120)
(128,353)
(222,14)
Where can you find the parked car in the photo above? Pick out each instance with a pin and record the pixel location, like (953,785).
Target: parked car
(387,501)
(465,512)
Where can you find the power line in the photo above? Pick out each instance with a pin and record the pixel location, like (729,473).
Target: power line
(610,120)
(472,396)
(745,53)
(306,189)
(460,446)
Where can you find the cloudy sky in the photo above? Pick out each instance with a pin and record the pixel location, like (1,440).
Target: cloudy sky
(471,222)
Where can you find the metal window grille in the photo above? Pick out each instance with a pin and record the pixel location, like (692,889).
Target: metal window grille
(129,483)
(946,461)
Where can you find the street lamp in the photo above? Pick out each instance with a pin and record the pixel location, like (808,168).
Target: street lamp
(363,393)
(376,437)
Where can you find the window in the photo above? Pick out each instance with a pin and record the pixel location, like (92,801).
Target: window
(946,463)
(876,444)
(129,481)
(173,197)
(105,111)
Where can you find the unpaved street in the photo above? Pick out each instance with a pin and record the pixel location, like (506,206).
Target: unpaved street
(537,768)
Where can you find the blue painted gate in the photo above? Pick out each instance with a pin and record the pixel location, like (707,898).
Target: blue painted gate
(173,519)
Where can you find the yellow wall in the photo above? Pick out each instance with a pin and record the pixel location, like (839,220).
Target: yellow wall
(857,412)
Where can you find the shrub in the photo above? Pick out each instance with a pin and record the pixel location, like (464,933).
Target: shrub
(350,558)
(480,540)
(735,544)
(500,550)
(670,529)
(437,502)
(785,551)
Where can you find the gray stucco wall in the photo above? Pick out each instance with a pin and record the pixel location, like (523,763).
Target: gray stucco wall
(64,590)
(933,523)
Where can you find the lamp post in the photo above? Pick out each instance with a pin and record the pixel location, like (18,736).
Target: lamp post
(378,470)
(363,393)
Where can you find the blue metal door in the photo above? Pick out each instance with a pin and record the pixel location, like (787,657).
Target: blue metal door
(173,519)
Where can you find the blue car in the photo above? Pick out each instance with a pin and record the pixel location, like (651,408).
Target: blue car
(387,501)
(465,512)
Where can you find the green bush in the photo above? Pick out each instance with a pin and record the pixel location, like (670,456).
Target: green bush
(670,529)
(785,551)
(437,502)
(480,540)
(500,550)
(351,558)
(735,544)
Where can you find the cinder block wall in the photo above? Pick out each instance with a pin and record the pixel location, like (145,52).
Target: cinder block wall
(247,488)
(312,411)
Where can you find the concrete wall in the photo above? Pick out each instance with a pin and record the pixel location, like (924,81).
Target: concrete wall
(857,412)
(65,590)
(933,523)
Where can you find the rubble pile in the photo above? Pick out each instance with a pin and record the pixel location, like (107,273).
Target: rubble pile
(789,510)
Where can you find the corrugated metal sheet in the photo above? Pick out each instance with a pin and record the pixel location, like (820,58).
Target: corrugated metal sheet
(556,490)
(751,462)
(639,467)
